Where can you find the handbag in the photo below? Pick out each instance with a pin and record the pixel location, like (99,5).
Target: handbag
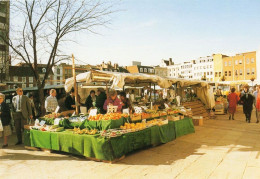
(1,126)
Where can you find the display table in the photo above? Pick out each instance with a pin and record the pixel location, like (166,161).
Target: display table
(109,149)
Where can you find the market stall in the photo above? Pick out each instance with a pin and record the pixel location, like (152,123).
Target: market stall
(110,136)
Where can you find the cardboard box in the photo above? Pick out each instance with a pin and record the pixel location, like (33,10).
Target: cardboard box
(197,121)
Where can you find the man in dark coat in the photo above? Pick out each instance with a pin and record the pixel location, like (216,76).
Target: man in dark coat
(247,100)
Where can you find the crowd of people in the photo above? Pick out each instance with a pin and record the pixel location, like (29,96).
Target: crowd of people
(249,100)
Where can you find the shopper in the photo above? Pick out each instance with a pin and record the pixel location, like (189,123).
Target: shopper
(233,100)
(70,100)
(113,100)
(5,118)
(258,102)
(34,112)
(126,103)
(51,102)
(247,101)
(91,99)
(22,111)
(255,93)
(100,100)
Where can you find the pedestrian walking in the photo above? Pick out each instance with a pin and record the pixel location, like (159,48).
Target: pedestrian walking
(22,112)
(247,101)
(233,100)
(258,101)
(5,118)
(51,102)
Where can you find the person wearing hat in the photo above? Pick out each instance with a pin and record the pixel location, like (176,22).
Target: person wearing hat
(100,100)
(247,100)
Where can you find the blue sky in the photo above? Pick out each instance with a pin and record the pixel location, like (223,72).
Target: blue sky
(151,30)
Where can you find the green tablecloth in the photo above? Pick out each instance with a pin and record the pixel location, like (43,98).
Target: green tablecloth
(184,126)
(107,149)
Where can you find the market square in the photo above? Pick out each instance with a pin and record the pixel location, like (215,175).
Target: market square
(129,89)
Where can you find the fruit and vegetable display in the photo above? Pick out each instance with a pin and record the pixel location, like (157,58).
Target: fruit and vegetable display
(112,133)
(110,116)
(133,126)
(53,128)
(85,131)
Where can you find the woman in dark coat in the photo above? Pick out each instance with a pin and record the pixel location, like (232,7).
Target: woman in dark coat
(247,100)
(90,99)
(5,119)
(100,100)
(70,101)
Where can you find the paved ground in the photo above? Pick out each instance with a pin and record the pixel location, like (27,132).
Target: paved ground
(219,149)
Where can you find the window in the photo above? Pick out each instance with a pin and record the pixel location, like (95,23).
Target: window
(253,71)
(211,73)
(248,71)
(229,73)
(252,60)
(15,78)
(44,70)
(247,61)
(225,64)
(216,74)
(240,61)
(30,79)
(219,74)
(236,62)
(24,79)
(225,73)
(145,70)
(207,73)
(141,70)
(229,63)
(23,85)
(58,71)
(240,72)
(236,73)
(30,85)
(58,78)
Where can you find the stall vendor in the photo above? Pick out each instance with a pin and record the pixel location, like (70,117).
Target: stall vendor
(126,103)
(113,100)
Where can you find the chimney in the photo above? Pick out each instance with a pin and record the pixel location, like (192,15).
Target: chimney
(170,61)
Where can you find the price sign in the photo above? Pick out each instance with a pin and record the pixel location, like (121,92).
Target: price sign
(57,121)
(42,123)
(57,109)
(166,106)
(126,111)
(93,112)
(138,110)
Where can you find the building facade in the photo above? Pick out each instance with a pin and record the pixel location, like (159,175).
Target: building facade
(22,76)
(241,67)
(203,68)
(4,36)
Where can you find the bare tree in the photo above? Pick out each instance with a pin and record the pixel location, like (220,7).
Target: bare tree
(44,25)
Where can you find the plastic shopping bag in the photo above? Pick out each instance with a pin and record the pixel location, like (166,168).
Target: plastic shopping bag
(1,126)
